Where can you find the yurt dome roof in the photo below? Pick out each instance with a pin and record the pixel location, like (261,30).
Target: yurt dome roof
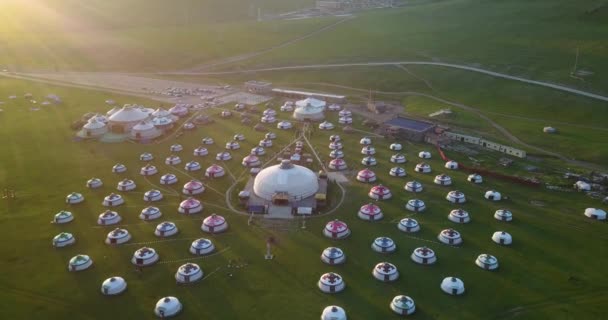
(129,114)
(370,208)
(409,222)
(452,283)
(450,234)
(168,176)
(79,259)
(415,203)
(331,279)
(93,123)
(414,184)
(143,126)
(64,236)
(380,189)
(311,103)
(150,211)
(145,253)
(384,242)
(190,203)
(597,213)
(162,121)
(171,304)
(118,233)
(296,180)
(385,268)
(459,213)
(333,313)
(166,226)
(336,226)
(160,112)
(188,269)
(114,283)
(333,252)
(193,185)
(403,302)
(424,252)
(215,168)
(456,194)
(487,259)
(202,243)
(214,220)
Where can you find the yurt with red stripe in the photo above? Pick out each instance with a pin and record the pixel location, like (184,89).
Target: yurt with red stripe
(214,224)
(336,229)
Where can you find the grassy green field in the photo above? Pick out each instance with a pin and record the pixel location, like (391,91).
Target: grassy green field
(555,269)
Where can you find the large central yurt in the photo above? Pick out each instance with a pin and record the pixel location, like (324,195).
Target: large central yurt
(285,182)
(309,109)
(123,120)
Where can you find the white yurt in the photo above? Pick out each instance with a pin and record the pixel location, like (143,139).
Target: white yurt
(108,217)
(118,236)
(502,237)
(452,286)
(366,175)
(113,286)
(503,215)
(284,125)
(146,156)
(597,214)
(214,224)
(331,283)
(63,239)
(459,216)
(192,166)
(334,107)
(201,247)
(287,107)
(336,229)
(365,141)
(336,154)
(148,170)
(251,161)
(403,305)
(193,187)
(167,307)
(258,151)
(113,200)
(452,165)
(225,114)
(232,145)
(424,155)
(168,178)
(179,110)
(443,180)
(269,112)
(190,206)
(94,183)
(415,205)
(345,120)
(456,196)
(413,186)
(408,225)
(395,147)
(582,186)
(368,150)
(268,119)
(153,195)
(424,255)
(309,109)
(74,198)
(369,161)
(398,158)
(150,213)
(385,272)
(214,171)
(144,257)
(265,143)
(325,125)
(176,148)
(338,164)
(162,122)
(397,172)
(450,236)
(189,126)
(239,107)
(370,212)
(238,137)
(94,128)
(126,185)
(201,152)
(80,262)
(333,312)
(126,118)
(336,145)
(423,167)
(333,255)
(270,135)
(145,130)
(173,160)
(345,113)
(207,141)
(165,229)
(293,182)
(380,192)
(188,273)
(475,178)
(487,262)
(161,112)
(223,156)
(492,195)
(384,245)
(334,138)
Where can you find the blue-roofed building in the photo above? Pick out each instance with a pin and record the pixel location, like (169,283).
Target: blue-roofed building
(407,128)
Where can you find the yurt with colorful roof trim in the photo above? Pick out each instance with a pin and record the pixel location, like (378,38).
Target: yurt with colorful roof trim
(192,166)
(503,215)
(168,179)
(326,125)
(284,125)
(424,155)
(269,112)
(594,213)
(188,273)
(232,145)
(74,198)
(173,160)
(94,183)
(459,216)
(408,225)
(345,113)
(336,154)
(80,262)
(424,255)
(452,165)
(368,150)
(395,147)
(369,161)
(385,272)
(493,195)
(423,167)
(148,170)
(118,236)
(475,178)
(144,257)
(403,305)
(334,138)
(265,143)
(167,307)
(268,119)
(146,156)
(345,120)
(108,217)
(502,238)
(384,245)
(190,206)
(201,247)
(397,172)
(214,224)
(365,141)
(193,187)
(214,171)
(207,141)
(166,229)
(201,151)
(258,151)
(370,212)
(223,156)
(398,158)
(163,122)
(487,261)
(333,313)
(176,148)
(113,286)
(336,145)
(443,180)
(336,229)
(366,175)
(150,213)
(452,286)
(331,283)
(413,186)
(113,200)
(333,256)
(415,205)
(63,239)
(456,196)
(126,185)
(337,164)
(380,192)
(153,195)
(251,161)
(450,236)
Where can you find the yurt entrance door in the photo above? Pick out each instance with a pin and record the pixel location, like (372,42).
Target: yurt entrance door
(280,199)
(139,261)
